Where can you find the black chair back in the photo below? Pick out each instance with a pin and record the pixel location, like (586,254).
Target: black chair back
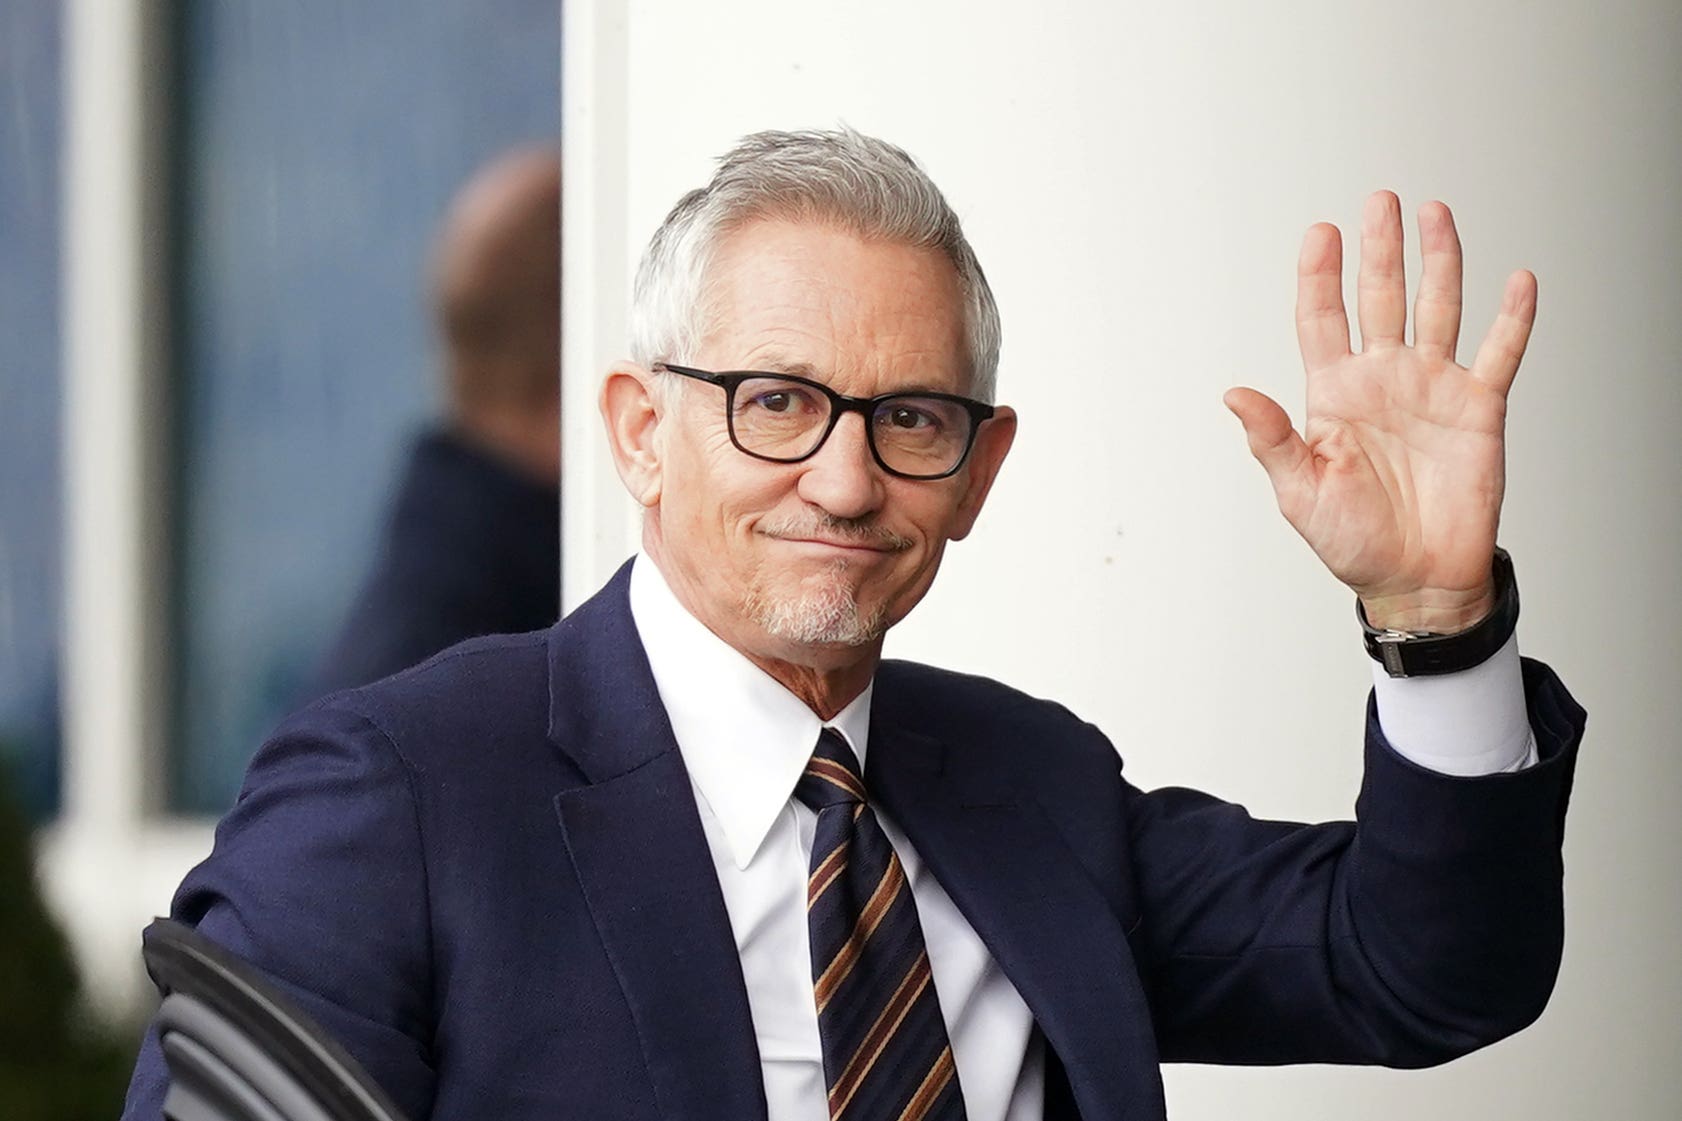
(238,1050)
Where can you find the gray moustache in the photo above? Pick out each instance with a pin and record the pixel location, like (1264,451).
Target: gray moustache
(859,532)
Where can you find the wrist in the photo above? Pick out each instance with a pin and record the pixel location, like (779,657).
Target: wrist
(1414,651)
(1431,610)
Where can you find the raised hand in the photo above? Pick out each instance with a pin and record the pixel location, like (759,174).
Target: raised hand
(1396,478)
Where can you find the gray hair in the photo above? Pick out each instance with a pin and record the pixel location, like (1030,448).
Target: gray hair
(868,186)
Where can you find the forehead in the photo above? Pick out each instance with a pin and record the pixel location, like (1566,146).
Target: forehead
(865,315)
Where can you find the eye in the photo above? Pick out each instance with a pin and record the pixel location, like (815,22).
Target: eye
(782,399)
(907,417)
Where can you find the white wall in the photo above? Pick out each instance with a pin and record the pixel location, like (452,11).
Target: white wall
(1135,179)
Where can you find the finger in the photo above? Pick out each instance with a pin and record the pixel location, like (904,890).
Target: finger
(1436,310)
(1381,292)
(1277,447)
(1502,348)
(1322,324)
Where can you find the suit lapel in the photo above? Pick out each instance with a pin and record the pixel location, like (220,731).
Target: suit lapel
(1015,879)
(637,845)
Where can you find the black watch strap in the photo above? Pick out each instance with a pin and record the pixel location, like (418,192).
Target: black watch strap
(1422,654)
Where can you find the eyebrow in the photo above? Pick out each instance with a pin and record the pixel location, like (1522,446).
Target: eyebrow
(774,363)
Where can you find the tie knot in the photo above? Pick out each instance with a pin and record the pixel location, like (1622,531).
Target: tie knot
(832,775)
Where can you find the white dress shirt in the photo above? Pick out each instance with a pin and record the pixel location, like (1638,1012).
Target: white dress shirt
(745,741)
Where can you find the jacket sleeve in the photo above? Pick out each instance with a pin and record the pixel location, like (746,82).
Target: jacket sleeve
(1430,926)
(318,879)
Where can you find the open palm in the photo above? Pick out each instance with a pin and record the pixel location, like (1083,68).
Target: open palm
(1396,477)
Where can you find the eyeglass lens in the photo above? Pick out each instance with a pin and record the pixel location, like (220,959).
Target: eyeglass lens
(914,435)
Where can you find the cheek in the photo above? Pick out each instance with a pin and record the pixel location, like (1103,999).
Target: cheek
(928,515)
(713,443)
(715,493)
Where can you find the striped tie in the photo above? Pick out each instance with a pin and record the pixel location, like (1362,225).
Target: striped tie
(885,1052)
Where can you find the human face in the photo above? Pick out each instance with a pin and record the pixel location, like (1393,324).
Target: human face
(811,562)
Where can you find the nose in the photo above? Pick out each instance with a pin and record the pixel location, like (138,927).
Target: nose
(843,477)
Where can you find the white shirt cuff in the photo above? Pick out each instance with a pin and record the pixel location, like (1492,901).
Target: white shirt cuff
(1468,723)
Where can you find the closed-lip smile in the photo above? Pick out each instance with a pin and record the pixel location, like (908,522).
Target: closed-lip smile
(851,545)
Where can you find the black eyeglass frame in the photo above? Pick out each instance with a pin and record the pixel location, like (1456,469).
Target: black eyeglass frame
(839,403)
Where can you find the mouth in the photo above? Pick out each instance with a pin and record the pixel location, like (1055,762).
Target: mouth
(839,545)
(838,537)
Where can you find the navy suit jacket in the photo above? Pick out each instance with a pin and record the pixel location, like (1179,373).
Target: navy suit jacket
(487,876)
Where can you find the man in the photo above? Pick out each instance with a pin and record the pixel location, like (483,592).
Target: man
(473,542)
(696,852)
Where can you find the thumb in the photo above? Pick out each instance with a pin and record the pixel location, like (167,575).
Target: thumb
(1276,446)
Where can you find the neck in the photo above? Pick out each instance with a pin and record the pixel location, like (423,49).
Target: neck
(527,441)
(824,690)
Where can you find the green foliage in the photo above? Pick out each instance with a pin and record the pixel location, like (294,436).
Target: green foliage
(53,1067)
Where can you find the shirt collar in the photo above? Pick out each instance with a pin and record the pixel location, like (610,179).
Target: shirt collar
(745,738)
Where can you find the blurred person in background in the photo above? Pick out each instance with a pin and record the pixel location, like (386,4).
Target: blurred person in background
(472,546)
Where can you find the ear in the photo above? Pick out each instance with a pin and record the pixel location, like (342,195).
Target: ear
(630,410)
(992,444)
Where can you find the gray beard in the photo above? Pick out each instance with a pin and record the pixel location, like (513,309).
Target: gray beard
(825,615)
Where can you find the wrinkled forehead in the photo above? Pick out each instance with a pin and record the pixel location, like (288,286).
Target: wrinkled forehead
(822,301)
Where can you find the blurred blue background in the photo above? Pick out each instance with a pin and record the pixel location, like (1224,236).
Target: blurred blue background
(318,146)
(313,149)
(30,494)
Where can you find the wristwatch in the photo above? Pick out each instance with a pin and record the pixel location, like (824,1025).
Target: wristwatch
(1424,653)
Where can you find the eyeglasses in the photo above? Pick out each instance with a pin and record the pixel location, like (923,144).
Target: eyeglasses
(785,419)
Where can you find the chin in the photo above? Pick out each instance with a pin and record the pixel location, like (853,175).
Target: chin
(822,611)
